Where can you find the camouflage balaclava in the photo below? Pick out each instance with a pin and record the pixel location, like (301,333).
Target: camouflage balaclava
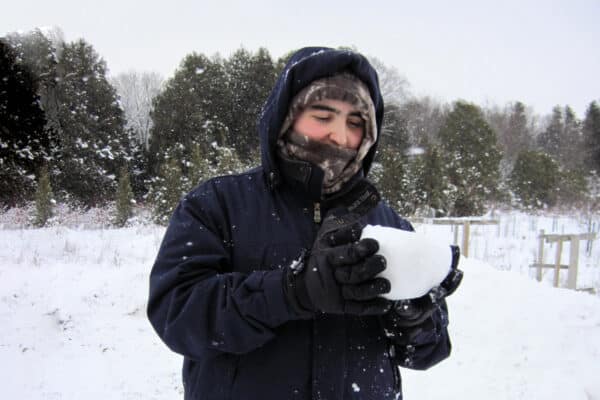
(338,164)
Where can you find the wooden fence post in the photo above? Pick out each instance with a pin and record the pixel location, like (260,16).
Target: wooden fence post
(573,262)
(466,234)
(540,256)
(455,234)
(573,265)
(559,246)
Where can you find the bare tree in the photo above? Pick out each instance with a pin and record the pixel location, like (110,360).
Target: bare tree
(515,127)
(424,117)
(136,91)
(394,86)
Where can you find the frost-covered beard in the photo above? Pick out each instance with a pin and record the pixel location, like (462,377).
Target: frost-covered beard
(336,162)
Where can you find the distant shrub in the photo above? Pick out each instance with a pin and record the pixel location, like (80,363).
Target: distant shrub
(535,179)
(124,200)
(44,200)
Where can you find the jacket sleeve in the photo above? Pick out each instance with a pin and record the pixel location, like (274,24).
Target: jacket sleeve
(422,346)
(196,302)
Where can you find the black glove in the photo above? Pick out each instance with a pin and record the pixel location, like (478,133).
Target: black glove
(413,312)
(337,275)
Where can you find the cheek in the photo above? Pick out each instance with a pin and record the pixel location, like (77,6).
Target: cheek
(309,128)
(354,140)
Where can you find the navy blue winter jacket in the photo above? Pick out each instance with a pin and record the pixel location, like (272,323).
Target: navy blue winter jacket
(216,288)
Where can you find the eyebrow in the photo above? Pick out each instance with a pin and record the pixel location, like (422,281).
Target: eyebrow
(322,107)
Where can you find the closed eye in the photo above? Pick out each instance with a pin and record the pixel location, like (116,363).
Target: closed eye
(356,123)
(322,118)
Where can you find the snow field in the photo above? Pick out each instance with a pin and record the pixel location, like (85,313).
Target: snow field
(72,308)
(515,338)
(72,311)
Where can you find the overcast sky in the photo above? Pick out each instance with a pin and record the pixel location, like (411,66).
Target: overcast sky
(490,52)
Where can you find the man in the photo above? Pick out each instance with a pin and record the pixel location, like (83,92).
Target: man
(261,281)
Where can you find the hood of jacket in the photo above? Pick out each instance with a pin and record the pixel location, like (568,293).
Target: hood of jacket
(305,66)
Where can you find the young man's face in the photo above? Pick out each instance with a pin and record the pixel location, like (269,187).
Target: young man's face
(332,121)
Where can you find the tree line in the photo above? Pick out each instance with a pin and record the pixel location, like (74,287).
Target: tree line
(71,132)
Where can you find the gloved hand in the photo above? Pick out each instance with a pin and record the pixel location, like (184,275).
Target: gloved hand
(413,312)
(337,275)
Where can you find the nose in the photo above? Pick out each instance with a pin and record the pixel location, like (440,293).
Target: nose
(339,134)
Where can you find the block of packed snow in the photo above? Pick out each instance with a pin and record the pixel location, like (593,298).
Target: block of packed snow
(415,262)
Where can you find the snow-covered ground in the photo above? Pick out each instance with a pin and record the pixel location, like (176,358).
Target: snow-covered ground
(72,312)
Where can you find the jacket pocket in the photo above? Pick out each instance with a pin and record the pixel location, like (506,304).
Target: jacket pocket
(214,379)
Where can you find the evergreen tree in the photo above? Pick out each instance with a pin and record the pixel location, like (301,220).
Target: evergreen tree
(550,139)
(189,110)
(432,189)
(392,180)
(514,129)
(93,141)
(591,134)
(201,165)
(571,141)
(391,172)
(228,161)
(167,190)
(472,158)
(137,159)
(40,51)
(395,129)
(23,141)
(124,200)
(535,179)
(572,189)
(44,200)
(250,78)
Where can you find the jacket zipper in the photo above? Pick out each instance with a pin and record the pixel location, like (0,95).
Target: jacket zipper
(317,213)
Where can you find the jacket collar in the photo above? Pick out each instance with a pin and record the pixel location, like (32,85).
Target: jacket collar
(358,195)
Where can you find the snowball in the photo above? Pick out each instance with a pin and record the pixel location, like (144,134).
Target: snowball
(415,262)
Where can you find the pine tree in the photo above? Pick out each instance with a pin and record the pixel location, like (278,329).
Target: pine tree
(93,141)
(393,182)
(571,141)
(472,158)
(187,111)
(391,162)
(250,78)
(572,189)
(591,134)
(23,140)
(514,133)
(535,179)
(137,160)
(550,138)
(167,190)
(124,200)
(201,165)
(43,198)
(39,52)
(228,161)
(395,130)
(432,189)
